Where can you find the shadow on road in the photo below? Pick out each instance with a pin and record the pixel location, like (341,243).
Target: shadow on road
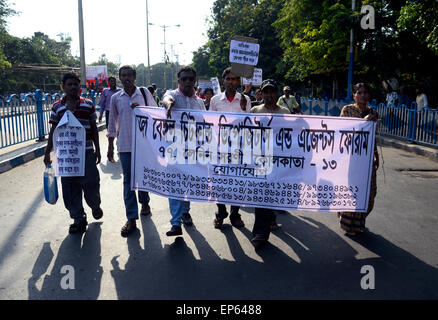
(115,169)
(8,247)
(324,267)
(83,254)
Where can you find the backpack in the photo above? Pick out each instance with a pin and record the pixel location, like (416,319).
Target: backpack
(144,96)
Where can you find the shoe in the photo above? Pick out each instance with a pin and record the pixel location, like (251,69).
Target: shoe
(237,223)
(187,219)
(145,209)
(174,231)
(218,223)
(128,228)
(78,227)
(259,241)
(275,226)
(97,213)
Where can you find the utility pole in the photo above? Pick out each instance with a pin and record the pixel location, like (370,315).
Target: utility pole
(351,58)
(82,46)
(165,58)
(147,34)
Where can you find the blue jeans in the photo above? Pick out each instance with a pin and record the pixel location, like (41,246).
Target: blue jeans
(177,208)
(128,195)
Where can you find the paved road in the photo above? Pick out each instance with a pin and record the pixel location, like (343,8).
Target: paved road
(308,258)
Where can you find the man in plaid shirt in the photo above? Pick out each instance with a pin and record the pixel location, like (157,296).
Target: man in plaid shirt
(120,126)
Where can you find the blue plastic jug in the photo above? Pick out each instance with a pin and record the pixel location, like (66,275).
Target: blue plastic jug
(50,185)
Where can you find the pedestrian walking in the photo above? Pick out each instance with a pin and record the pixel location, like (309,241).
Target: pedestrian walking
(152,91)
(265,219)
(288,101)
(105,100)
(208,93)
(421,99)
(120,127)
(183,98)
(73,187)
(354,222)
(391,96)
(230,101)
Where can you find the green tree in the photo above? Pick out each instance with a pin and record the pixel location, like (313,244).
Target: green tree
(249,18)
(5,12)
(421,19)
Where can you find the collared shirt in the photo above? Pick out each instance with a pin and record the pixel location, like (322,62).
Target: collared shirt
(184,102)
(121,114)
(220,102)
(85,112)
(290,103)
(391,98)
(421,101)
(105,99)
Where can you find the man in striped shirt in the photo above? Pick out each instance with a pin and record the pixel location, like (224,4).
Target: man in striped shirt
(89,184)
(120,126)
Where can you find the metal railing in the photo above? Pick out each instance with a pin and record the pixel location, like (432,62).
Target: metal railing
(26,118)
(408,123)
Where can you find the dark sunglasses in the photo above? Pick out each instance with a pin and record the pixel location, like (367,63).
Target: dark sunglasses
(187,78)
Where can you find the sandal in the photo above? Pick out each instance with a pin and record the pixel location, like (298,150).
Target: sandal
(218,223)
(128,228)
(238,223)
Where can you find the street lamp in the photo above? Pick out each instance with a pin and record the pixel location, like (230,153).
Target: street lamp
(164,33)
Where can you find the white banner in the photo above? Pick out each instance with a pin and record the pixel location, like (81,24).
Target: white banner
(69,147)
(244,52)
(99,72)
(274,161)
(256,80)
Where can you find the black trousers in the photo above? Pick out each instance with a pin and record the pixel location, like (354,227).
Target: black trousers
(222,212)
(263,220)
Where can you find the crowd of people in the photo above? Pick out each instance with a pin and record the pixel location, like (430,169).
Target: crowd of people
(118,103)
(402,97)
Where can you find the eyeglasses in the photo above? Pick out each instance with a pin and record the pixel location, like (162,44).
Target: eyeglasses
(184,79)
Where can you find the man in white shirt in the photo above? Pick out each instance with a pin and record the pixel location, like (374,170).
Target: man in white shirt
(421,99)
(183,98)
(229,101)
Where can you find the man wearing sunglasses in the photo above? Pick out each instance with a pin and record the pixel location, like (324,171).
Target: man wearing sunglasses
(183,98)
(229,101)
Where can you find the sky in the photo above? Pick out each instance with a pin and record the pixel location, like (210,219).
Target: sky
(118,30)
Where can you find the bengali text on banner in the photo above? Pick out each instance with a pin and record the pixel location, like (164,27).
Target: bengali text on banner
(288,162)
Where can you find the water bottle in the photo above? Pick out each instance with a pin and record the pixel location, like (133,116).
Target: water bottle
(50,185)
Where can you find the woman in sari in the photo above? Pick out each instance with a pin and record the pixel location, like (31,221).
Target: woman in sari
(354,222)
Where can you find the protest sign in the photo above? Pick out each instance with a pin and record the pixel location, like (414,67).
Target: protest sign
(69,147)
(256,80)
(99,72)
(216,86)
(244,55)
(256,160)
(205,85)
